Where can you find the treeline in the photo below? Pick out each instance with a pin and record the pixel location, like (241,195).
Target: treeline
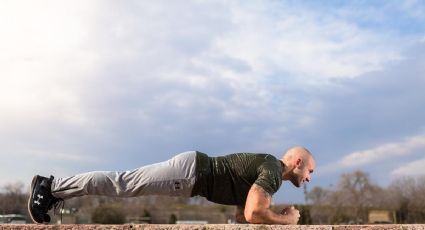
(348,202)
(109,210)
(13,199)
(355,196)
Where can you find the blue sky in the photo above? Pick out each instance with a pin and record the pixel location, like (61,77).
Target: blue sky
(105,85)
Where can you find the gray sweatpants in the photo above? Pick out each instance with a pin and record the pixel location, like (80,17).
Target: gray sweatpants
(175,177)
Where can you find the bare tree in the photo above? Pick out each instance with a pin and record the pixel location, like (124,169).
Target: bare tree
(320,210)
(318,195)
(357,192)
(407,198)
(349,201)
(13,199)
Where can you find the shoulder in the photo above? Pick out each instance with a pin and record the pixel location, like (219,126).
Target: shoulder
(263,156)
(270,163)
(270,174)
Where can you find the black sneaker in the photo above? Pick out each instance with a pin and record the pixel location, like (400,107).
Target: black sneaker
(41,199)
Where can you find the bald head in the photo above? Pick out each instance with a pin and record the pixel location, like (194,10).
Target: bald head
(299,164)
(296,152)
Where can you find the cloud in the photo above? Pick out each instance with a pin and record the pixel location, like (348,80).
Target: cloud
(243,48)
(270,38)
(414,8)
(57,156)
(379,113)
(111,86)
(383,152)
(410,169)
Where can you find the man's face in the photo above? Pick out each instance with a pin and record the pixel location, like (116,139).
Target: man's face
(302,172)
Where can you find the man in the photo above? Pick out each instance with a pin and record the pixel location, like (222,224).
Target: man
(246,180)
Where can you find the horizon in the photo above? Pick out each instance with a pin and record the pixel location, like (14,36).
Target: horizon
(88,86)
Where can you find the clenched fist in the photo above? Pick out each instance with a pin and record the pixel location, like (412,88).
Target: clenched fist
(292,214)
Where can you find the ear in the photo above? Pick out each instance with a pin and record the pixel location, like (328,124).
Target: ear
(298,162)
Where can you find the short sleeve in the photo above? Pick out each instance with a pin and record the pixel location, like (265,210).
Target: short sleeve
(269,177)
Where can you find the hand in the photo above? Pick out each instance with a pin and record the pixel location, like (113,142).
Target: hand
(292,214)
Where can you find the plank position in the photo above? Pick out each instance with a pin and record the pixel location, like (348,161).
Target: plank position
(247,180)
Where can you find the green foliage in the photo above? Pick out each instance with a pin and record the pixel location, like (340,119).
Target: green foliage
(108,214)
(173,219)
(305,217)
(146,213)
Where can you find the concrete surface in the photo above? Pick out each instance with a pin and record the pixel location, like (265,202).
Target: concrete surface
(211,227)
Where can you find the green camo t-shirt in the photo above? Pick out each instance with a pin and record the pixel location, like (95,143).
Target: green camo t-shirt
(227,179)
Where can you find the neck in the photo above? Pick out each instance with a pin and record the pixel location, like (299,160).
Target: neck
(286,169)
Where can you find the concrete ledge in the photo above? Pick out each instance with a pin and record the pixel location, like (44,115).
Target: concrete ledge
(210,227)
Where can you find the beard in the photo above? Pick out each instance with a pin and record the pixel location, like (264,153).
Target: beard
(297,178)
(296,181)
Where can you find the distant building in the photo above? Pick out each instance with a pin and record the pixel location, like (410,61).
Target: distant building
(380,217)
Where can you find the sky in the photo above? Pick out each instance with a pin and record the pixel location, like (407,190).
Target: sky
(115,85)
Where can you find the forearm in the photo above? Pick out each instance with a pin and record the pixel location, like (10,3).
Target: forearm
(267,216)
(257,209)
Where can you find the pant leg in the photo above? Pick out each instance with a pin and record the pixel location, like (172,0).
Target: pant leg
(175,177)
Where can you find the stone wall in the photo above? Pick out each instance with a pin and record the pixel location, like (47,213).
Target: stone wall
(211,227)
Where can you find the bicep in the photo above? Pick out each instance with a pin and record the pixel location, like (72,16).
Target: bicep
(258,199)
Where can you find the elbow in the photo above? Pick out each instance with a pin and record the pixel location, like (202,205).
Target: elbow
(254,216)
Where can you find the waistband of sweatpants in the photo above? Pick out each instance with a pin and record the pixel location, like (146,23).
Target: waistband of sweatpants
(202,171)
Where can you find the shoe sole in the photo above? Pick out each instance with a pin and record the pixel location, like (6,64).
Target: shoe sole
(34,179)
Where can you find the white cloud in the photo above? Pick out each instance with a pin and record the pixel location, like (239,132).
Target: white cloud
(143,78)
(57,156)
(415,8)
(241,45)
(43,61)
(384,151)
(410,169)
(305,43)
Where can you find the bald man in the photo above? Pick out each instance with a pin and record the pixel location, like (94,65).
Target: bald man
(247,180)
